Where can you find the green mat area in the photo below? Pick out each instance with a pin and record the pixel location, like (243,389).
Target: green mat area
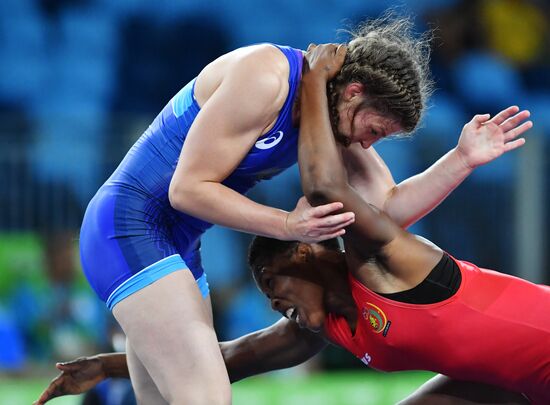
(321,389)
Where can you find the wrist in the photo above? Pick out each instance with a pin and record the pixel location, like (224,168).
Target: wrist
(460,156)
(113,365)
(286,234)
(313,78)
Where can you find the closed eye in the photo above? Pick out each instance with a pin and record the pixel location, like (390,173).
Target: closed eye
(268,283)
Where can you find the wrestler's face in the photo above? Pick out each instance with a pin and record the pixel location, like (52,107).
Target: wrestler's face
(294,292)
(359,123)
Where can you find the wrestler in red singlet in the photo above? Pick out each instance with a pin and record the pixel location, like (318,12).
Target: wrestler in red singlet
(494,329)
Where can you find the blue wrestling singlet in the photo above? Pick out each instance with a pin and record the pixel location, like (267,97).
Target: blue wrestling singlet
(131,236)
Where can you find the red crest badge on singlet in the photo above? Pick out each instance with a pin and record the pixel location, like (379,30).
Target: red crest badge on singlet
(377,318)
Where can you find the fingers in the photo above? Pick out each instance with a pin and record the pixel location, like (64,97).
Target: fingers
(338,49)
(329,49)
(514,133)
(509,119)
(340,52)
(69,366)
(333,223)
(505,114)
(326,232)
(323,210)
(49,393)
(331,226)
(512,122)
(314,224)
(330,235)
(481,118)
(329,56)
(336,221)
(514,144)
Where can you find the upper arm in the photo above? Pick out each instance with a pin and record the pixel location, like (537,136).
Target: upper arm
(371,178)
(368,174)
(245,103)
(372,230)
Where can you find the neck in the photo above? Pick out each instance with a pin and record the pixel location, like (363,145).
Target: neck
(338,298)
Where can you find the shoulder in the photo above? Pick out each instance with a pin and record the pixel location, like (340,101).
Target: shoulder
(356,157)
(374,156)
(264,58)
(258,71)
(264,68)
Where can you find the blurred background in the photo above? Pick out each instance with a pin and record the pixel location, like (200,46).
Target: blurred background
(80,80)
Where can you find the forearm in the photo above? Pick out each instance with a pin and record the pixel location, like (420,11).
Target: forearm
(323,175)
(321,167)
(282,345)
(218,204)
(416,196)
(114,365)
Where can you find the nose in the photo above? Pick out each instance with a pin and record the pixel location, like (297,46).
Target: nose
(366,144)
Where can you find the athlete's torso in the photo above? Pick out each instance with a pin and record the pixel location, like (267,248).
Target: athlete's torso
(149,166)
(495,329)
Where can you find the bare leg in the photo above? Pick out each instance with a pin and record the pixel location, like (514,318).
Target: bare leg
(208,304)
(442,390)
(169,328)
(144,388)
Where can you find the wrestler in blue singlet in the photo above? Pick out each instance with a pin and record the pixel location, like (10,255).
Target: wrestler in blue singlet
(131,236)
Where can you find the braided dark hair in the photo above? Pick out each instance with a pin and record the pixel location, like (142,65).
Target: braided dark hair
(392,64)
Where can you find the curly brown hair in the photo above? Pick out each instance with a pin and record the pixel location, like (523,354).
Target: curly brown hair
(392,64)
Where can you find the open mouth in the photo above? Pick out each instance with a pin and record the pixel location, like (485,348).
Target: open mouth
(292,314)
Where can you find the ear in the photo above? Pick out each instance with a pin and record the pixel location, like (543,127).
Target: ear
(353,90)
(304,252)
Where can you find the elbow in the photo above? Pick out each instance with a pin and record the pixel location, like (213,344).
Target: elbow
(319,193)
(322,184)
(178,195)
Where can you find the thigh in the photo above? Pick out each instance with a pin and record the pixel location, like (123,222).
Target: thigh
(168,325)
(145,390)
(442,390)
(208,307)
(123,236)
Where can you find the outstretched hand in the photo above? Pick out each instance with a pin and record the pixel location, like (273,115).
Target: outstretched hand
(314,224)
(325,60)
(484,139)
(76,377)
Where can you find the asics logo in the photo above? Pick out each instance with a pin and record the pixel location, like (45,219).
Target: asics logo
(270,141)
